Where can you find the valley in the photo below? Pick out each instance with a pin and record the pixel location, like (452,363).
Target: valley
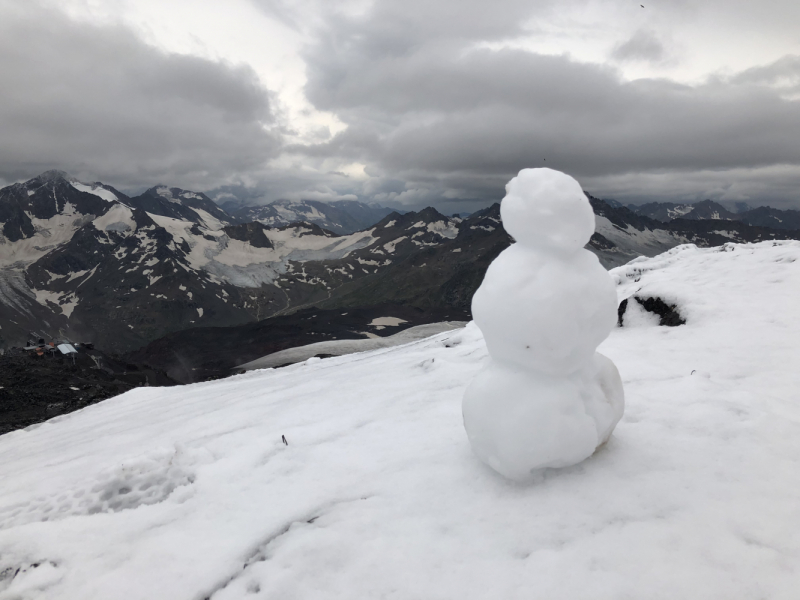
(170,280)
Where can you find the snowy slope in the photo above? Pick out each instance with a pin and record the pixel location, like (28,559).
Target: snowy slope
(342,347)
(189,493)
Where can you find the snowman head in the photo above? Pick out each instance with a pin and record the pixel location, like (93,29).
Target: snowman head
(546,209)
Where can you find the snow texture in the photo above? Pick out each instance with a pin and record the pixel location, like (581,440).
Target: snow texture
(547,399)
(188,493)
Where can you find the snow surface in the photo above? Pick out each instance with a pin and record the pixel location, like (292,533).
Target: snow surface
(95,189)
(648,242)
(118,218)
(546,399)
(387,321)
(343,347)
(189,492)
(49,234)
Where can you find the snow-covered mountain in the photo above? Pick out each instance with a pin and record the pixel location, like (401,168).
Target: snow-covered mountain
(183,205)
(99,266)
(622,234)
(668,211)
(87,263)
(342,216)
(763,216)
(191,492)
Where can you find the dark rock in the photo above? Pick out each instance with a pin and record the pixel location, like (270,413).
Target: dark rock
(667,313)
(36,388)
(253,233)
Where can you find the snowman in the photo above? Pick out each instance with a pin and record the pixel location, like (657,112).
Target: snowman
(546,399)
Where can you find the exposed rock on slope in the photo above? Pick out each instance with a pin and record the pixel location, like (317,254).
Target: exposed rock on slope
(85,262)
(204,353)
(630,234)
(763,216)
(37,388)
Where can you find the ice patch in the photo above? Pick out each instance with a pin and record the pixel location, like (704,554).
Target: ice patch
(95,189)
(387,321)
(68,304)
(390,247)
(119,218)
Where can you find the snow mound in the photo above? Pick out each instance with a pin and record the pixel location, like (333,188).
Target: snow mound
(547,399)
(378,495)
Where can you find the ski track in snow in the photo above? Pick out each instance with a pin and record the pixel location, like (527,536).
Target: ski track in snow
(377,494)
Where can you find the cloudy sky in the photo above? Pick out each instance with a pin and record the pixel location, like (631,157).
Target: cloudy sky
(406,102)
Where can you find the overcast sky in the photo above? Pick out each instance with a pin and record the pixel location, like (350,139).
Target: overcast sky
(406,102)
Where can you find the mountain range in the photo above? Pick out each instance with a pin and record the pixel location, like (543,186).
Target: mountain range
(85,262)
(340,216)
(763,216)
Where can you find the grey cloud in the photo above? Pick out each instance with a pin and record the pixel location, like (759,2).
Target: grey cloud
(643,45)
(454,122)
(783,74)
(99,103)
(777,185)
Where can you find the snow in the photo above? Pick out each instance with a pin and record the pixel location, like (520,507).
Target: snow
(69,303)
(387,321)
(343,347)
(637,316)
(243,265)
(647,241)
(118,218)
(679,211)
(75,275)
(546,400)
(95,189)
(390,246)
(44,297)
(444,229)
(378,495)
(166,193)
(49,234)
(210,221)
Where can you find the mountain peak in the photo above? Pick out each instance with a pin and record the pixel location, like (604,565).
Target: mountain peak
(431,214)
(51,175)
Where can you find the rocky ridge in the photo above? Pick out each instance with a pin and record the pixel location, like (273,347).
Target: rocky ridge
(88,263)
(763,216)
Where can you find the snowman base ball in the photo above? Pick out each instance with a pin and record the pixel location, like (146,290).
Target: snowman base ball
(520,421)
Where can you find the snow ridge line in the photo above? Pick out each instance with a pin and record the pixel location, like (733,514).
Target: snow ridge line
(260,553)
